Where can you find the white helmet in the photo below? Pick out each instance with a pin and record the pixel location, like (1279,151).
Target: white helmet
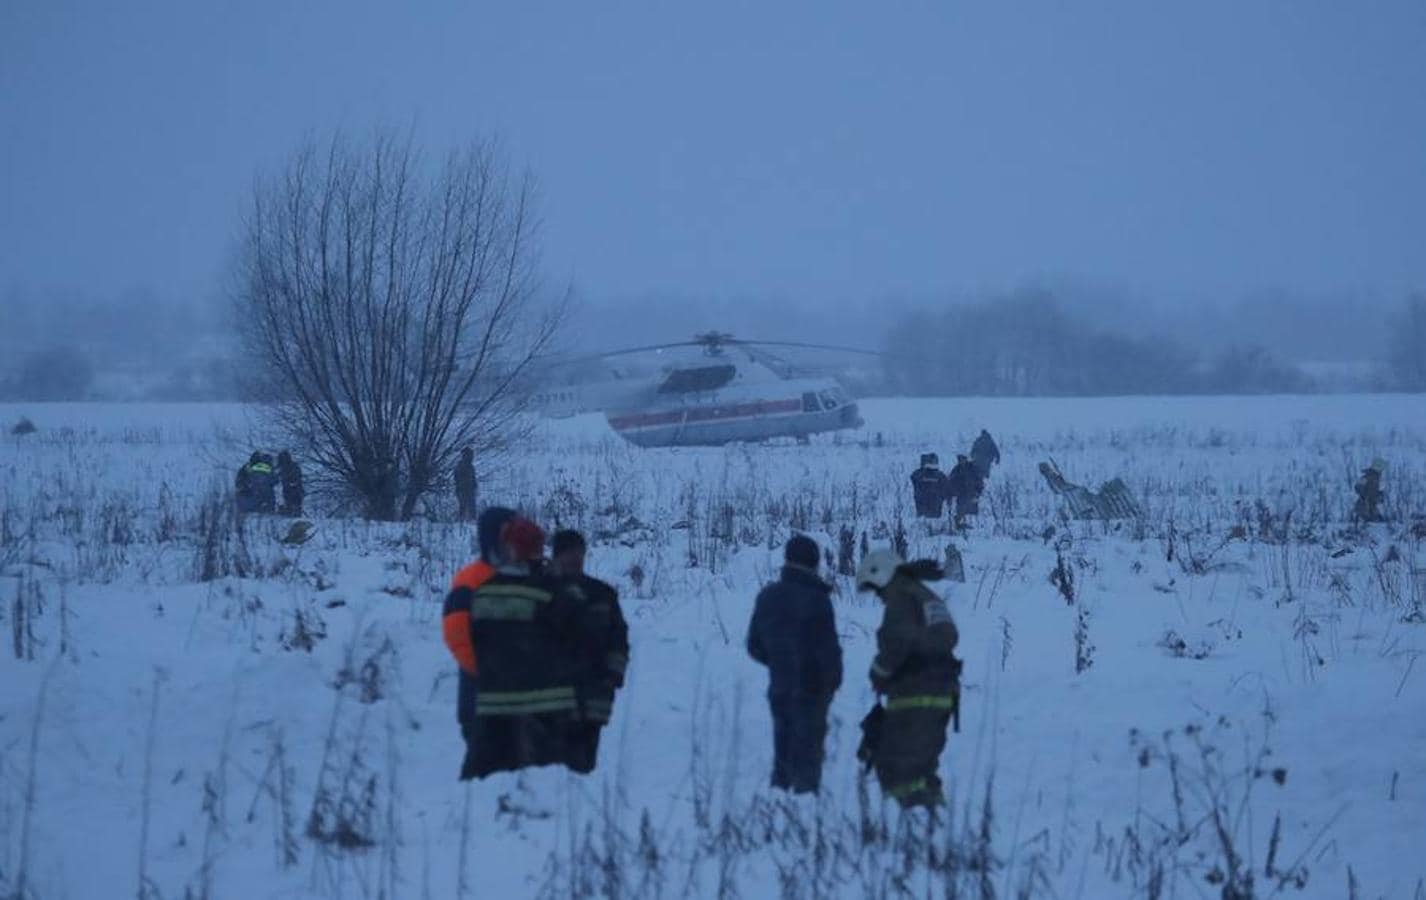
(878,568)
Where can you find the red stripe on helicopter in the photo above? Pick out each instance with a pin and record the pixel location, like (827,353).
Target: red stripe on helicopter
(705,414)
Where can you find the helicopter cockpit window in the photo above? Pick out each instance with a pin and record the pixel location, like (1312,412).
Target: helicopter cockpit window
(809,402)
(828,401)
(704,378)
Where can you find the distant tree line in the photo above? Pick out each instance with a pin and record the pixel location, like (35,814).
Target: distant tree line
(1027,343)
(1406,363)
(137,345)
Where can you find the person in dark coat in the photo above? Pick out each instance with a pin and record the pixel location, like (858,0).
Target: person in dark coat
(1369,493)
(984,453)
(243,486)
(465,486)
(965,486)
(290,474)
(794,634)
(604,659)
(929,488)
(255,483)
(527,635)
(917,671)
(455,617)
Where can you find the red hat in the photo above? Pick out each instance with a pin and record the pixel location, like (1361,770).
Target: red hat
(524,539)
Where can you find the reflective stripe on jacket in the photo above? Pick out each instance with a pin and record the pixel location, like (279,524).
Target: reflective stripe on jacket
(527,635)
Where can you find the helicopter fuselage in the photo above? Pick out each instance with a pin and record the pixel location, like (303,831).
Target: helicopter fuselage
(795,409)
(732,391)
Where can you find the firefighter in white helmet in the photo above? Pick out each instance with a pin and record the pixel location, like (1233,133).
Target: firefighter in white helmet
(917,671)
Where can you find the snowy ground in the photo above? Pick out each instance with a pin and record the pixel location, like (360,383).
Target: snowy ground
(1234,692)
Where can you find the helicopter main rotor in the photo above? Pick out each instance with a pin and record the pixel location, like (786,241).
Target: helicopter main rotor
(717,343)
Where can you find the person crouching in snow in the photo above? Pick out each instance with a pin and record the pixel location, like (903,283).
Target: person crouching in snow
(794,634)
(254,485)
(917,670)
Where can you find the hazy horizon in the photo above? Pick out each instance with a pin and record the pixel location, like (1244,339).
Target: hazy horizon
(749,155)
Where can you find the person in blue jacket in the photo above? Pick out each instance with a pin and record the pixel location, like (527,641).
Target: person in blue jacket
(793,633)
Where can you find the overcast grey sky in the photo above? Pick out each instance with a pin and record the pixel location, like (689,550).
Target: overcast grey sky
(796,150)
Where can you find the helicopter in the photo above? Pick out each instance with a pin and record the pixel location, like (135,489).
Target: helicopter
(734,390)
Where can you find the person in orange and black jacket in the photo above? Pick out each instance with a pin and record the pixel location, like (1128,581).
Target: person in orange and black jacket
(527,632)
(455,618)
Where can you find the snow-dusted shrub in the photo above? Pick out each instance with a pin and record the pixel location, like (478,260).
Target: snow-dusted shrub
(222,544)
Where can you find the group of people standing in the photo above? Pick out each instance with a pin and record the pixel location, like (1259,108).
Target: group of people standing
(541,648)
(936,493)
(257,481)
(793,633)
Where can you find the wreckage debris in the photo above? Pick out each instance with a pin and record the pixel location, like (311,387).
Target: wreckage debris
(1112,501)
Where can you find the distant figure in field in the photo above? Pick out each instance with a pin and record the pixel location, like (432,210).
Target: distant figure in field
(929,487)
(965,485)
(465,486)
(1369,493)
(290,474)
(794,634)
(255,484)
(984,453)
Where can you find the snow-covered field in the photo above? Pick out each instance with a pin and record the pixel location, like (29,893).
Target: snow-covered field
(1233,700)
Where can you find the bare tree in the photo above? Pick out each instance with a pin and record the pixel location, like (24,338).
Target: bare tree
(389,311)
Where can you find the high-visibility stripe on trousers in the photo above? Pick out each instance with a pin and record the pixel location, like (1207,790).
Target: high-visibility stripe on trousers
(912,738)
(906,789)
(524,703)
(922,701)
(598,709)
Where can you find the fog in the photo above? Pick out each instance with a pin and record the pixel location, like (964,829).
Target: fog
(1216,174)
